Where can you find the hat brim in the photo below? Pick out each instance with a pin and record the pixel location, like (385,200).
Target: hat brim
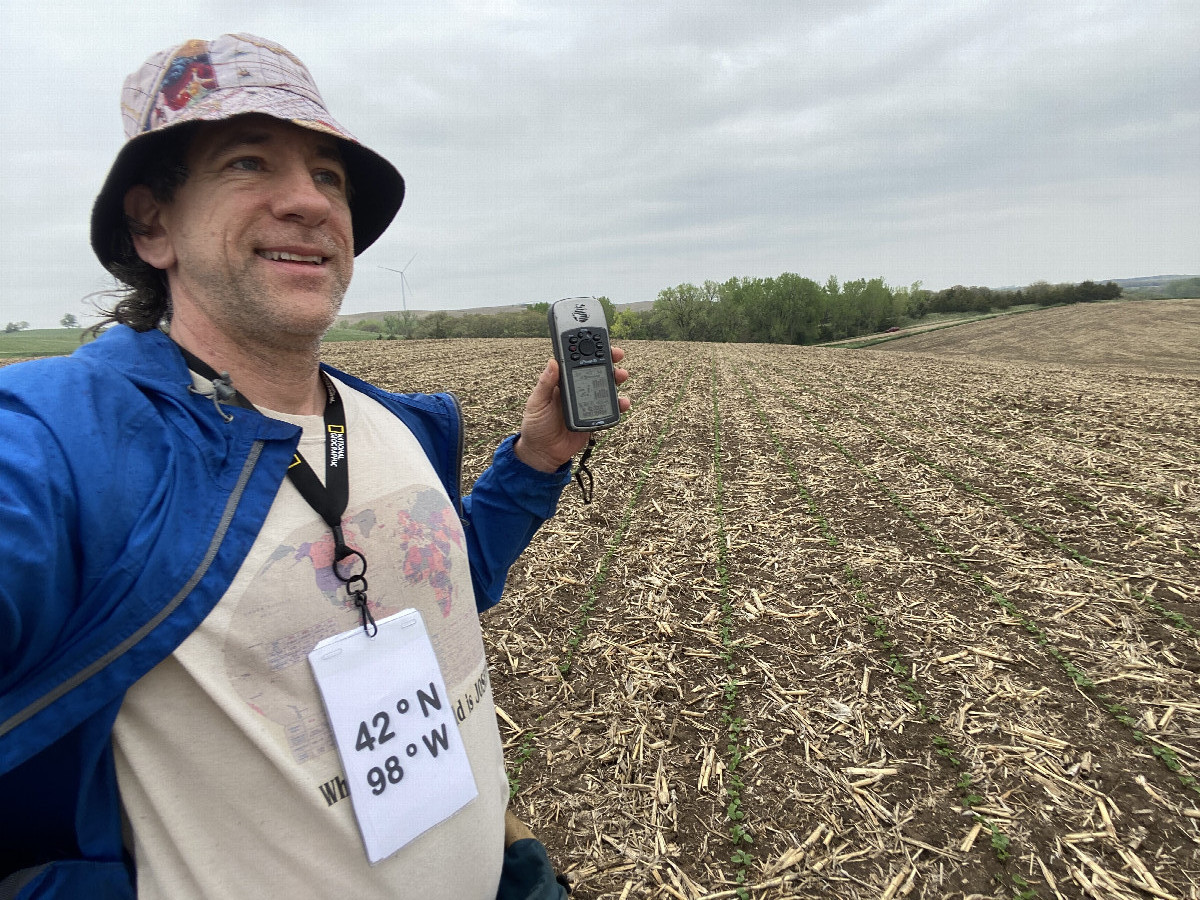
(377,192)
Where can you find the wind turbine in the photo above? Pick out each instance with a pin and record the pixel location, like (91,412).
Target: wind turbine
(403,280)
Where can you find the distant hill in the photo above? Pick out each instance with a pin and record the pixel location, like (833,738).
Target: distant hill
(1170,286)
(351,318)
(1159,336)
(1151,281)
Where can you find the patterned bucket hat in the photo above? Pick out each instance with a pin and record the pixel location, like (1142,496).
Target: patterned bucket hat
(209,81)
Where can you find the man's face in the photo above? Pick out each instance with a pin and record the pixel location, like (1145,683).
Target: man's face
(259,235)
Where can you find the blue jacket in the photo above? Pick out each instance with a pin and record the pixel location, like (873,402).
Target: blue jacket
(127,504)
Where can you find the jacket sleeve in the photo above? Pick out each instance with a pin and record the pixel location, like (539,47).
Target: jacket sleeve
(70,879)
(39,552)
(504,510)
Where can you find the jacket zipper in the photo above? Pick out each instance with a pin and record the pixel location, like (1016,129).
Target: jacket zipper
(462,428)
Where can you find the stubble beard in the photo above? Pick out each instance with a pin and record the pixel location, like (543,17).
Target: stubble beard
(257,314)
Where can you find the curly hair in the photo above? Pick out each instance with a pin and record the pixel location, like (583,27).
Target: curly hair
(144,302)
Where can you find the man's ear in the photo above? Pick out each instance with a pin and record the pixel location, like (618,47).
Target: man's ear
(143,215)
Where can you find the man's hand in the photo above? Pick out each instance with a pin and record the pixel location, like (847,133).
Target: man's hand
(545,443)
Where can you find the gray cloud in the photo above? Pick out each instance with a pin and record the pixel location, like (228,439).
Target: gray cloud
(564,148)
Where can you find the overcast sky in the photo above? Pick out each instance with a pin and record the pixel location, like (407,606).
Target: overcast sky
(563,148)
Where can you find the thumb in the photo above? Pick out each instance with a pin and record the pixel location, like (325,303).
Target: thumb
(543,391)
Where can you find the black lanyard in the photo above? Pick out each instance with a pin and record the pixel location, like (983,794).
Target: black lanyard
(328,500)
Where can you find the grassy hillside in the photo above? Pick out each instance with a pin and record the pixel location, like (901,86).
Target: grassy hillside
(40,342)
(343,332)
(61,341)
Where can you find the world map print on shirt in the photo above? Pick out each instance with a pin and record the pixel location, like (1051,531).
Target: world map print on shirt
(429,535)
(416,558)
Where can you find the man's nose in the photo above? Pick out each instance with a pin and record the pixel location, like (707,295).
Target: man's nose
(299,197)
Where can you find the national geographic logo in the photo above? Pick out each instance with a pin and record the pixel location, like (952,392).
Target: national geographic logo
(337,445)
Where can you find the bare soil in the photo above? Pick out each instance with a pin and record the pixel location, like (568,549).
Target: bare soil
(853,624)
(1131,336)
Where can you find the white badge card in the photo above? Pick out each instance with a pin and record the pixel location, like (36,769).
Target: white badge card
(395,730)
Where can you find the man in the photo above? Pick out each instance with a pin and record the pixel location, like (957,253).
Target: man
(191,503)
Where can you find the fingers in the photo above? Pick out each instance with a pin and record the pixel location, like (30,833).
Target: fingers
(619,375)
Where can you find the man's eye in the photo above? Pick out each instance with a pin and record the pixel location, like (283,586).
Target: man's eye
(328,177)
(246,164)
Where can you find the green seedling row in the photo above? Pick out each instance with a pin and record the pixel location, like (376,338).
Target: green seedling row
(943,747)
(520,758)
(1175,619)
(1118,711)
(999,842)
(618,536)
(742,857)
(1095,473)
(1054,488)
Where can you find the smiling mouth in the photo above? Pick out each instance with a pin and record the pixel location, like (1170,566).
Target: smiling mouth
(283,256)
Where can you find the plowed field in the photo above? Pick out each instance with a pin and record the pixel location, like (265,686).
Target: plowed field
(1159,336)
(852,624)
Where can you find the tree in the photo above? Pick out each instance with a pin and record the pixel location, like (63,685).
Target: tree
(728,318)
(610,311)
(69,321)
(437,325)
(685,310)
(478,325)
(872,304)
(400,324)
(12,327)
(1041,293)
(840,314)
(530,323)
(918,301)
(784,310)
(646,325)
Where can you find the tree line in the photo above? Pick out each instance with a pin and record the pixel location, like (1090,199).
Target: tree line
(67,321)
(788,309)
(527,322)
(791,309)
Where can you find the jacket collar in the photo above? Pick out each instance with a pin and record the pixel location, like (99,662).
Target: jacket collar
(154,364)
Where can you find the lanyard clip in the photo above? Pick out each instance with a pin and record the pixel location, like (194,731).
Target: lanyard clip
(364,610)
(356,584)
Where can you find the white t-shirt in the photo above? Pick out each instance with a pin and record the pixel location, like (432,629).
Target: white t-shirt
(229,778)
